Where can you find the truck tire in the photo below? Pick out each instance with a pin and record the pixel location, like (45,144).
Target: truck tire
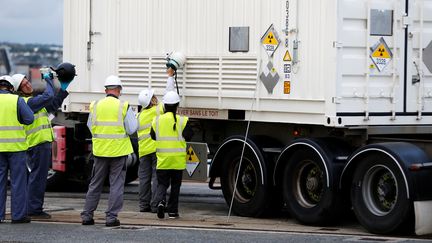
(379,195)
(305,190)
(251,196)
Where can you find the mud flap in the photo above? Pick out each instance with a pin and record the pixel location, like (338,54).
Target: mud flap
(423,219)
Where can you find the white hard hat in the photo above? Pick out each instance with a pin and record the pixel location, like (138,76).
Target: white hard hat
(145,97)
(113,80)
(176,60)
(7,78)
(170,98)
(17,79)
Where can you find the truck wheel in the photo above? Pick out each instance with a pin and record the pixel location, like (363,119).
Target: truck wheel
(304,188)
(379,195)
(251,196)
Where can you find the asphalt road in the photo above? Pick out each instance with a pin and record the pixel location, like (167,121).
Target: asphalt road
(203,217)
(61,232)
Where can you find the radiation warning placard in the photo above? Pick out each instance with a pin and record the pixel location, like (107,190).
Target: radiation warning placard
(381,54)
(192,160)
(270,40)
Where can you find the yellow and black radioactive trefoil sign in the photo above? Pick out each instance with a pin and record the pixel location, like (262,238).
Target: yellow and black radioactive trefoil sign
(192,161)
(381,54)
(191,156)
(270,40)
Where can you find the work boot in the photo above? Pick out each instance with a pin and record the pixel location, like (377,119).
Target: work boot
(21,221)
(161,210)
(173,215)
(114,223)
(88,222)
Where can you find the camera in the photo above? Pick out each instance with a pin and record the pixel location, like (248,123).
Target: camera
(46,70)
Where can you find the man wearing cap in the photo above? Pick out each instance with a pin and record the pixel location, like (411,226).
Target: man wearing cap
(39,138)
(110,122)
(13,146)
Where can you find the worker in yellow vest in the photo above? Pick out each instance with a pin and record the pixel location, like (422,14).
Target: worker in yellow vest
(147,150)
(110,121)
(39,137)
(15,113)
(170,131)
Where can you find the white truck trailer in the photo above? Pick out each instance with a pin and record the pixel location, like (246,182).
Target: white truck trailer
(335,97)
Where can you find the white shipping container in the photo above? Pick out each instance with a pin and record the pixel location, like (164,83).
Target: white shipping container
(333,80)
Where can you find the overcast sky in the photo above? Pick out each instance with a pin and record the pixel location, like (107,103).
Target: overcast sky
(31,21)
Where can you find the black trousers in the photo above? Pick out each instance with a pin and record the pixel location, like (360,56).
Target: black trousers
(167,178)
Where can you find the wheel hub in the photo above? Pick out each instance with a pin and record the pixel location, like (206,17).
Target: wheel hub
(246,181)
(246,186)
(311,183)
(386,191)
(380,190)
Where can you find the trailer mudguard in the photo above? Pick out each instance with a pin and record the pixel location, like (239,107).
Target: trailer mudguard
(225,147)
(337,152)
(243,170)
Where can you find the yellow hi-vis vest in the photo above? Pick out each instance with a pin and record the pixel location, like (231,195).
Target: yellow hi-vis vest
(12,133)
(146,145)
(170,144)
(40,130)
(107,126)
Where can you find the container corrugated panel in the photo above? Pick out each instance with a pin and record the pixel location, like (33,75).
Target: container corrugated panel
(333,83)
(421,31)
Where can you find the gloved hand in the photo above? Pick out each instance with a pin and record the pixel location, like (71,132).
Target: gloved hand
(64,85)
(47,76)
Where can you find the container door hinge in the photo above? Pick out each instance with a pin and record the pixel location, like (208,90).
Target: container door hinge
(336,100)
(337,44)
(406,21)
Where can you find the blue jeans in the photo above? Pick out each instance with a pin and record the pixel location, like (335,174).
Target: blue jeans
(40,160)
(16,163)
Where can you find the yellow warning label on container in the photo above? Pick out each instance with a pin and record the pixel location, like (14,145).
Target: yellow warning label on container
(191,156)
(287,56)
(381,52)
(270,39)
(287,87)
